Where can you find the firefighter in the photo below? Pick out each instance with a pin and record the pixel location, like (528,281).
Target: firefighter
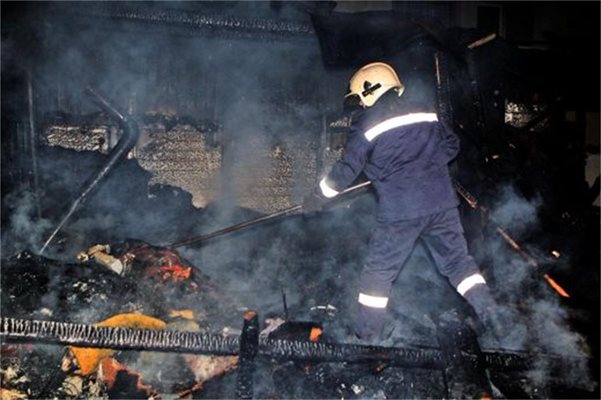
(404,150)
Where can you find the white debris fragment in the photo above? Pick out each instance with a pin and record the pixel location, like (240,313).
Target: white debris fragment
(357,389)
(9,373)
(73,385)
(329,309)
(46,311)
(229,331)
(271,324)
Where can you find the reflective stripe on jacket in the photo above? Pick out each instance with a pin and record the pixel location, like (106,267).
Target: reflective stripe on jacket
(404,154)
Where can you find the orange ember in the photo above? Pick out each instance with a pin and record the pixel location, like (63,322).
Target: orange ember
(175,272)
(315,334)
(556,286)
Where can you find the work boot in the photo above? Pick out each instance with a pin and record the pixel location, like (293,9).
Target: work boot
(475,324)
(480,299)
(506,326)
(494,321)
(369,324)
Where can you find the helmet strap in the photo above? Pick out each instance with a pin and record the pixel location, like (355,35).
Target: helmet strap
(371,89)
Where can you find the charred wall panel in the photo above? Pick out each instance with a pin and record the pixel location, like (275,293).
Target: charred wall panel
(183,157)
(183,87)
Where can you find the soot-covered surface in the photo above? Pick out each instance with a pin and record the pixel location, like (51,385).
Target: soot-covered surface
(314,261)
(151,58)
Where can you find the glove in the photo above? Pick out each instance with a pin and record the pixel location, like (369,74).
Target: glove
(314,202)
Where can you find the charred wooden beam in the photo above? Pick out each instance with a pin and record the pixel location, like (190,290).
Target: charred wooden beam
(118,338)
(189,21)
(465,369)
(515,246)
(193,342)
(196,20)
(333,352)
(482,41)
(443,91)
(478,107)
(249,346)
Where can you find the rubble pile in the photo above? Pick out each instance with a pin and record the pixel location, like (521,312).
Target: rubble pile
(132,283)
(160,291)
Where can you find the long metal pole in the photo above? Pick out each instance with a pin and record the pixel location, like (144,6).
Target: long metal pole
(256,221)
(126,142)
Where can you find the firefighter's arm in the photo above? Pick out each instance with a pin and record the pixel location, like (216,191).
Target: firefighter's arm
(347,169)
(342,174)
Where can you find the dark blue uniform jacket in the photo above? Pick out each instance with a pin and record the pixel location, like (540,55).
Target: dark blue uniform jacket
(405,153)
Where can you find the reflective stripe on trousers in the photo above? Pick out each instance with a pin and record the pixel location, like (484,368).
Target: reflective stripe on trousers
(373,301)
(469,282)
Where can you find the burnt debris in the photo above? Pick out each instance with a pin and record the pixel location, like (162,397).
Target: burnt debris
(461,360)
(236,110)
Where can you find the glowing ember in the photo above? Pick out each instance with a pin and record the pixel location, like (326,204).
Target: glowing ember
(556,286)
(175,273)
(315,334)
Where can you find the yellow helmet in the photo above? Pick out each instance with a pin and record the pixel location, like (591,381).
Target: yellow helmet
(373,80)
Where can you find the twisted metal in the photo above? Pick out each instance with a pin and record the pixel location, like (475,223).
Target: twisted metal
(249,346)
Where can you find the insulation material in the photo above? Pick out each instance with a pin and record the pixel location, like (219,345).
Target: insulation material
(179,156)
(275,177)
(8,394)
(97,371)
(182,157)
(79,138)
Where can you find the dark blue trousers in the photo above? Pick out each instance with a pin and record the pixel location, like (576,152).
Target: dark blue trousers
(391,245)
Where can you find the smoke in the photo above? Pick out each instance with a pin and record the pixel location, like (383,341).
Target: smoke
(25,229)
(266,95)
(512,210)
(541,322)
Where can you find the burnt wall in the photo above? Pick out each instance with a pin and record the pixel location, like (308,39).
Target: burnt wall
(231,107)
(228,106)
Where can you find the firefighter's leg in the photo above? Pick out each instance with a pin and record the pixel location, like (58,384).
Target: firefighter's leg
(389,248)
(445,239)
